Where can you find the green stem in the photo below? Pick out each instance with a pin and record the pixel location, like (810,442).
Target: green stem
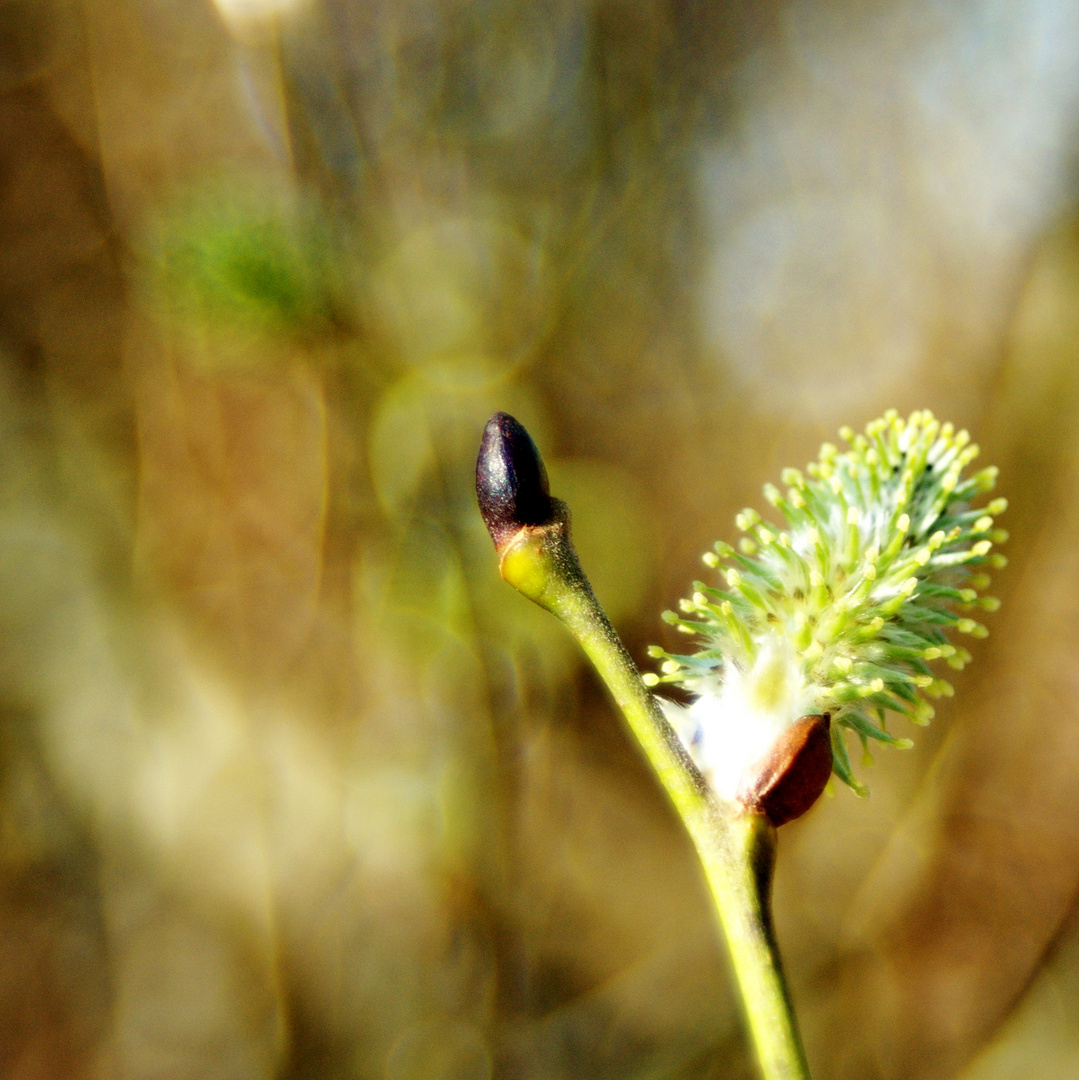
(736,849)
(739,872)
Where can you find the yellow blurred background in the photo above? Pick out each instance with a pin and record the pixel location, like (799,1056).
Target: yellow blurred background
(291,784)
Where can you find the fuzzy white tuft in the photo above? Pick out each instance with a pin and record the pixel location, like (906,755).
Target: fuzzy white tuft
(730,727)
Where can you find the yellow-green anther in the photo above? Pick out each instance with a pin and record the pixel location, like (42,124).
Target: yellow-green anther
(851,552)
(897,538)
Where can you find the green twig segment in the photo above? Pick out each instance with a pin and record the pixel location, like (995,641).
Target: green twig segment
(738,858)
(736,849)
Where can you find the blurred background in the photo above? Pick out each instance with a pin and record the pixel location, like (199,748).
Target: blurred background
(291,784)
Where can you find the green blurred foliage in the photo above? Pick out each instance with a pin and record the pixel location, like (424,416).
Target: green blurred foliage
(248,271)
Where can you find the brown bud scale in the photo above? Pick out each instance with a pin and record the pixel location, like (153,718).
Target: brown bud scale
(790,778)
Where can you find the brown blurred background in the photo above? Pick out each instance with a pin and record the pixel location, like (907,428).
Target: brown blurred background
(291,784)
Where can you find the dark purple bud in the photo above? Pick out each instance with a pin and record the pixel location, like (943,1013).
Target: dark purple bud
(511,482)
